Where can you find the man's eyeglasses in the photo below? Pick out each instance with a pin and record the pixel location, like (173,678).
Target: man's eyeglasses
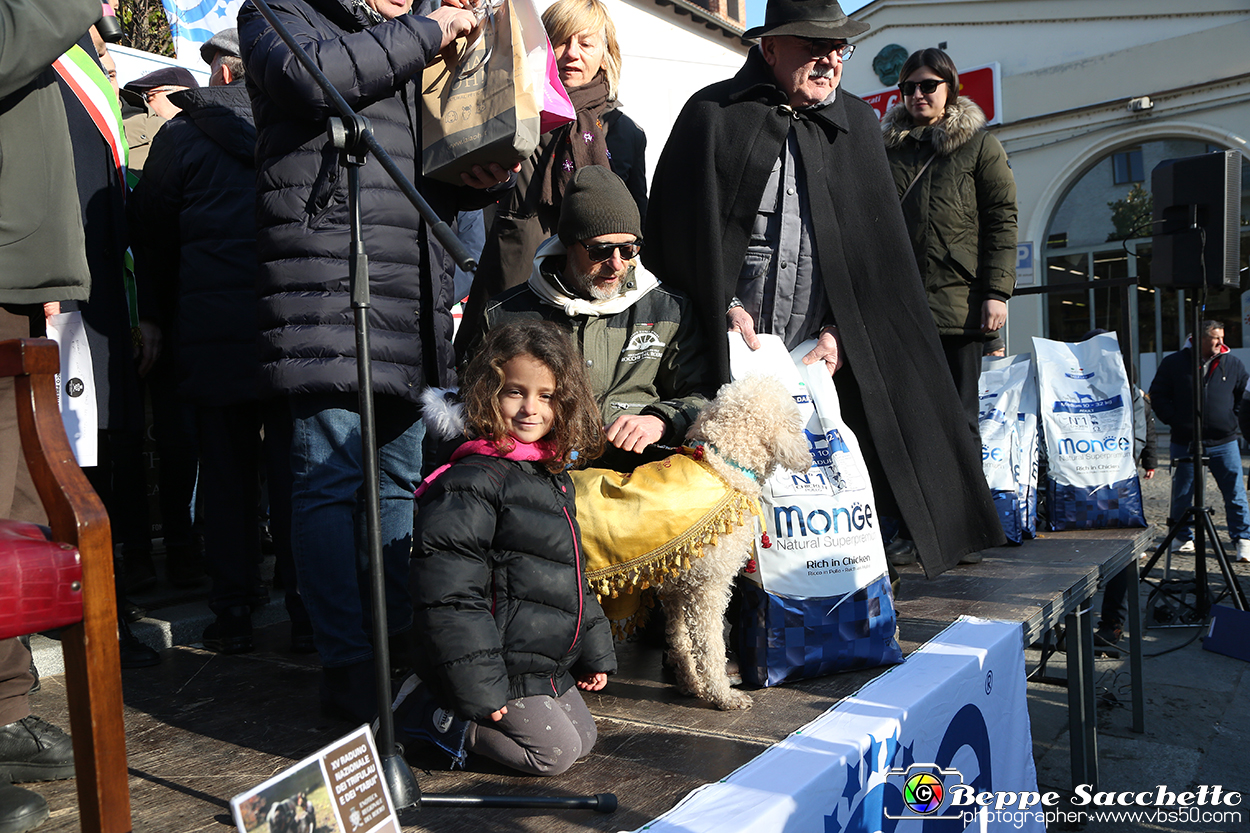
(821,47)
(600,252)
(928,86)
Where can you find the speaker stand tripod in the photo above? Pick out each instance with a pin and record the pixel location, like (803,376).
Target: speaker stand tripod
(1169,603)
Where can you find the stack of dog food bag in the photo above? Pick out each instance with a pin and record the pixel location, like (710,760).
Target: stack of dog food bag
(816,598)
(1078,396)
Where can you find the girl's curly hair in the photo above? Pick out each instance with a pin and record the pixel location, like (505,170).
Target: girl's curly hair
(577,424)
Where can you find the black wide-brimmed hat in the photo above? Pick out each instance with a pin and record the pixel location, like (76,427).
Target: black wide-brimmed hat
(807,19)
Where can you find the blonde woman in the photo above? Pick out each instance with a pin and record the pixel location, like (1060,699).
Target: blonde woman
(589,59)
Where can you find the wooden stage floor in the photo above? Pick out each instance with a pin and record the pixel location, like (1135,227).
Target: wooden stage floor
(202,727)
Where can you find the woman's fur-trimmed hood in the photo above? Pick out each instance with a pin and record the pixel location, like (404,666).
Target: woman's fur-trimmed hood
(963,119)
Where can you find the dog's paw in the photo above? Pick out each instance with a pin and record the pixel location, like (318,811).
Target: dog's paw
(735,700)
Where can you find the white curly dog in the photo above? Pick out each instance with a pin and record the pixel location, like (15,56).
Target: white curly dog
(752,427)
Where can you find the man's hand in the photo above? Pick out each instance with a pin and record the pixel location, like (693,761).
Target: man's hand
(593,682)
(454,21)
(490,176)
(148,350)
(828,349)
(740,321)
(1150,473)
(993,315)
(51,308)
(635,431)
(498,714)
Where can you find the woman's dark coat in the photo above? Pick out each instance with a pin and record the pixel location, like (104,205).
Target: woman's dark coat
(961,213)
(896,391)
(522,224)
(192,219)
(303,237)
(501,603)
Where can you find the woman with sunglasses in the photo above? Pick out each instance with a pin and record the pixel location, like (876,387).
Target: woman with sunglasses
(959,202)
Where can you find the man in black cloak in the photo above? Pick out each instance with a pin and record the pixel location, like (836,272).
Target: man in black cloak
(772,208)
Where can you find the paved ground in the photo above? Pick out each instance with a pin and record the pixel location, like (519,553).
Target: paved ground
(1197,709)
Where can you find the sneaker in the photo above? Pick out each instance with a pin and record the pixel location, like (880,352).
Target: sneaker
(1243,551)
(1184,546)
(1106,641)
(32,749)
(419,717)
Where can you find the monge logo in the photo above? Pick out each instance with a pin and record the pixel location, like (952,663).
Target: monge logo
(819,522)
(926,791)
(1067,445)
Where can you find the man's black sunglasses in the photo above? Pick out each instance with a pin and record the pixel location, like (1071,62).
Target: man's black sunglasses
(600,252)
(928,86)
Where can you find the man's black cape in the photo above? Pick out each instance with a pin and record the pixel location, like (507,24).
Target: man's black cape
(896,390)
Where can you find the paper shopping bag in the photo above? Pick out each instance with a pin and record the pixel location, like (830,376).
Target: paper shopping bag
(483,106)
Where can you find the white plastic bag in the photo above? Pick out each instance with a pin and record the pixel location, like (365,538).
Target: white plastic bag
(75,391)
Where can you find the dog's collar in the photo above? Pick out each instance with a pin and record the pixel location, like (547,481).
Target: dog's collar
(696,448)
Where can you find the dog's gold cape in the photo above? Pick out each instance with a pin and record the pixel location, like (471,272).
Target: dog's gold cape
(641,527)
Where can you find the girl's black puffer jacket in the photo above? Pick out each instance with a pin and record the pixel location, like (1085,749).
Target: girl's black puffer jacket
(502,607)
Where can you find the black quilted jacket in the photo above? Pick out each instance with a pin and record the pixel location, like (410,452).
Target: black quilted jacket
(194,243)
(497,581)
(307,334)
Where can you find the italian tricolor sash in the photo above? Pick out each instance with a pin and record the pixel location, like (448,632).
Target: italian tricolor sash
(94,90)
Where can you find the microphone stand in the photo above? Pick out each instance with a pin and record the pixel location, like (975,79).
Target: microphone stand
(351,134)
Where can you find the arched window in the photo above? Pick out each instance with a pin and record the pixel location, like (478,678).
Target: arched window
(1100,231)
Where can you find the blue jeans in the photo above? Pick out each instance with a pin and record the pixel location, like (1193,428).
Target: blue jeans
(1226,469)
(328,537)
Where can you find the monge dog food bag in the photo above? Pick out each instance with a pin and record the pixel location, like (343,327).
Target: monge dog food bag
(1001,385)
(1087,418)
(1027,428)
(817,598)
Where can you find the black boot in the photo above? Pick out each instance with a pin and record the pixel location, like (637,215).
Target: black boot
(232,632)
(20,810)
(350,692)
(32,749)
(132,651)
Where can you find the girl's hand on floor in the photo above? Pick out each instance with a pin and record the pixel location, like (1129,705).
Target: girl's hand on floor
(593,682)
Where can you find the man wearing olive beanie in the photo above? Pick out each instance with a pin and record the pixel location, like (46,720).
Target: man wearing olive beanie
(644,353)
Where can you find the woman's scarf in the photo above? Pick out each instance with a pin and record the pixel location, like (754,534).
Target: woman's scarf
(579,143)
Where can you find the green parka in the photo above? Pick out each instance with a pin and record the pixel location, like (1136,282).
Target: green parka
(960,214)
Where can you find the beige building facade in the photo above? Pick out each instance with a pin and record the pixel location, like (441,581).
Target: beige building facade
(1092,95)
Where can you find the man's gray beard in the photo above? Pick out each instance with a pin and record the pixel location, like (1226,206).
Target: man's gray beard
(584,285)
